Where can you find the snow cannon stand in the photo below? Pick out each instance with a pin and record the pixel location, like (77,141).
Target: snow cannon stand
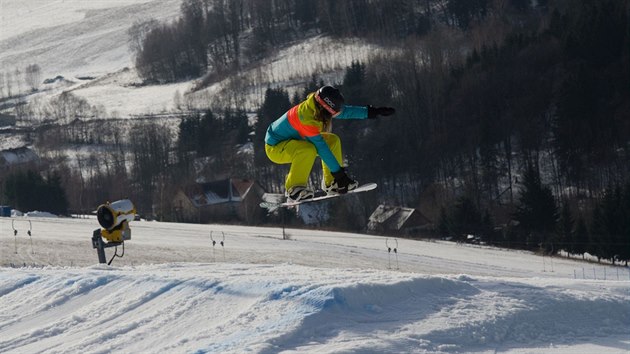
(114,219)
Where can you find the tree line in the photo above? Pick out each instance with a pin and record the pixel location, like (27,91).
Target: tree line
(16,82)
(216,37)
(147,161)
(541,222)
(508,134)
(32,192)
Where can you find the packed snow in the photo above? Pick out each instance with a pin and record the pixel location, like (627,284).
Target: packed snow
(313,291)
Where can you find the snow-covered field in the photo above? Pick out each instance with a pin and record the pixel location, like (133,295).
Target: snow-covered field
(319,292)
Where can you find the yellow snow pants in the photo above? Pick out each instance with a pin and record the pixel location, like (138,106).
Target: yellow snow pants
(301,155)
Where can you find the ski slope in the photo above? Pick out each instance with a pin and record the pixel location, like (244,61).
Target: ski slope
(76,37)
(316,292)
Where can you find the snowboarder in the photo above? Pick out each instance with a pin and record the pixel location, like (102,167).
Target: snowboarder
(304,132)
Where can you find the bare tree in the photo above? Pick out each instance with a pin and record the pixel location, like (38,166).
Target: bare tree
(1,85)
(177,100)
(18,80)
(150,148)
(33,76)
(68,107)
(9,83)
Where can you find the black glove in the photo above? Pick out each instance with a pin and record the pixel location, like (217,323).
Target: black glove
(373,112)
(342,180)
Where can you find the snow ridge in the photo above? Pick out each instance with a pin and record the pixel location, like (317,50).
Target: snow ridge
(188,307)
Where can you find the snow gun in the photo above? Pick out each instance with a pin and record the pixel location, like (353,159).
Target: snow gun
(114,218)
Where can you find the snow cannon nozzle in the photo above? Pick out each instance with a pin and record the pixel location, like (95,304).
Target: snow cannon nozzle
(114,218)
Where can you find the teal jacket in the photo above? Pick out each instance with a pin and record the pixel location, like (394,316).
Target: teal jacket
(299,123)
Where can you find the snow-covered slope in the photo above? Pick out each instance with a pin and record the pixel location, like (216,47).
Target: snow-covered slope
(318,292)
(73,38)
(89,39)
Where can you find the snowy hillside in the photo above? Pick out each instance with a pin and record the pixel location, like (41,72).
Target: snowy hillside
(318,292)
(86,42)
(74,38)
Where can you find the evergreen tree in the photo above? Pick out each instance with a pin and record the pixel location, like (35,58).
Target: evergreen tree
(188,132)
(22,190)
(209,135)
(444,223)
(29,191)
(466,219)
(237,121)
(54,196)
(487,228)
(313,85)
(354,84)
(565,233)
(276,104)
(598,230)
(614,220)
(536,212)
(581,238)
(574,125)
(610,227)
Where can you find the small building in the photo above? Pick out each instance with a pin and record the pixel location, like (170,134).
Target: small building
(227,200)
(397,220)
(19,156)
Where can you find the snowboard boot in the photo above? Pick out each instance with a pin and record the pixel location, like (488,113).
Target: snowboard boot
(299,193)
(333,189)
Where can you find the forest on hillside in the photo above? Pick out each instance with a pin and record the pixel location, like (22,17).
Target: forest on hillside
(533,128)
(512,116)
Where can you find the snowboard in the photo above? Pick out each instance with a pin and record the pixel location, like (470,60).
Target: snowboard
(280,200)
